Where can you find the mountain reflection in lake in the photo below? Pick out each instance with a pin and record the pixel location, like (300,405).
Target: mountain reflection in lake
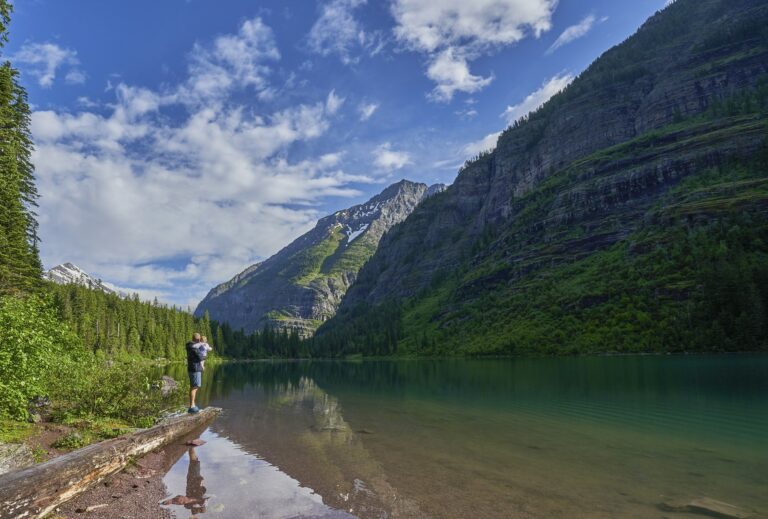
(586,437)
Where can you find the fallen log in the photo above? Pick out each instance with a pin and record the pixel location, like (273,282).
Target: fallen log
(36,491)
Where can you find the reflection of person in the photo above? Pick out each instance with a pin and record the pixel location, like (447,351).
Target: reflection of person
(195,358)
(195,489)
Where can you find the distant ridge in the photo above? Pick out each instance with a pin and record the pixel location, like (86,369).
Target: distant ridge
(302,285)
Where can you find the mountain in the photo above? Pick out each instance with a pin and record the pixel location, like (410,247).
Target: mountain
(69,274)
(626,214)
(302,285)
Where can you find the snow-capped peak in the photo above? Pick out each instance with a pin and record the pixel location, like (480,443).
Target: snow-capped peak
(69,273)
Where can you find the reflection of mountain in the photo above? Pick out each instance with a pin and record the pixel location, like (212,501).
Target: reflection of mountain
(300,429)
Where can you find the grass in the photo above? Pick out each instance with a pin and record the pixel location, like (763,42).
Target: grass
(12,431)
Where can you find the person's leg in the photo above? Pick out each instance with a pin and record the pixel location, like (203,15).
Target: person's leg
(195,381)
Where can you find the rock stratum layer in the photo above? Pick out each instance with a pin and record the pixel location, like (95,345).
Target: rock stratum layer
(302,285)
(612,218)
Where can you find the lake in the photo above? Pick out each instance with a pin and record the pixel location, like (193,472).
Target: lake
(532,437)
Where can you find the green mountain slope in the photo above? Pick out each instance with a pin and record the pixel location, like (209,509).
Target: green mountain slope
(627,214)
(302,285)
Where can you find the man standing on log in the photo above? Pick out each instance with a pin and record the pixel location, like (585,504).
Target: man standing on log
(195,357)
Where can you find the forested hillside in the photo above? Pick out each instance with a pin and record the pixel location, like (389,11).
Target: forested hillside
(629,213)
(115,325)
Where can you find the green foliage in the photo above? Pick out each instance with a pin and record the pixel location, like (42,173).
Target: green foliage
(124,391)
(35,345)
(72,440)
(20,267)
(12,431)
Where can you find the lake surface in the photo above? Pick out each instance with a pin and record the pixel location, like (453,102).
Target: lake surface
(551,437)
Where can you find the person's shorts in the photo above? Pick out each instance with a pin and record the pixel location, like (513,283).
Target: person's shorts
(195,378)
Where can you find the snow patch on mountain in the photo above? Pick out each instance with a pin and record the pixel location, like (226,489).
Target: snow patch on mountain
(354,234)
(71,274)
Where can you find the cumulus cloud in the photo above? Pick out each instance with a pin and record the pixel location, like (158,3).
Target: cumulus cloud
(43,61)
(453,32)
(173,204)
(338,32)
(232,61)
(387,159)
(366,110)
(451,73)
(574,32)
(534,100)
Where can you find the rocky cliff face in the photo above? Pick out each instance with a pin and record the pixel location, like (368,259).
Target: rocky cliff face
(68,273)
(586,171)
(302,285)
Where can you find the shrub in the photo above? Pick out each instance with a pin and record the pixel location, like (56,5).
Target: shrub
(34,347)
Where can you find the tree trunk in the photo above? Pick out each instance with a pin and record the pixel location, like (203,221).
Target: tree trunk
(36,491)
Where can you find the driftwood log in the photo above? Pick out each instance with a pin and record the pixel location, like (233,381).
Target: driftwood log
(36,491)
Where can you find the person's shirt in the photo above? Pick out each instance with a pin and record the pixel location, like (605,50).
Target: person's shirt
(194,357)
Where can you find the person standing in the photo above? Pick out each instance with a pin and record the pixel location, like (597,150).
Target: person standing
(195,357)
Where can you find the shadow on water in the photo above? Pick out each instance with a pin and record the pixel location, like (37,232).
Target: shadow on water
(575,437)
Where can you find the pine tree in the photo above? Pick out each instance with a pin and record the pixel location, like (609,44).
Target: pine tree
(20,267)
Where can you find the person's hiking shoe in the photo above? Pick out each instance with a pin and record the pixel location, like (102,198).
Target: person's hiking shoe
(193,410)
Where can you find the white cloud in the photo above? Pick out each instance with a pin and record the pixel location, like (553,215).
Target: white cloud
(43,60)
(172,205)
(451,73)
(338,32)
(453,32)
(537,98)
(333,102)
(387,159)
(487,143)
(366,110)
(233,61)
(574,32)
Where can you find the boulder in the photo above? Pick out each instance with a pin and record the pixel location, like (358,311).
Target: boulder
(168,385)
(15,456)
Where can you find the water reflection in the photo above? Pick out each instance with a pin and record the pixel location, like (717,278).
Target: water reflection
(194,498)
(237,485)
(585,437)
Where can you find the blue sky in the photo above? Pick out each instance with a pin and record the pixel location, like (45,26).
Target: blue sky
(180,141)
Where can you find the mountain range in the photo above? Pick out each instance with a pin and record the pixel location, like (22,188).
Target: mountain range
(626,214)
(302,285)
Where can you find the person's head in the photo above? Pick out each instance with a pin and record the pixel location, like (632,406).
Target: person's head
(196,337)
(204,338)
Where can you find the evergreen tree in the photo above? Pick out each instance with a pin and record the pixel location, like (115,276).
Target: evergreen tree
(20,267)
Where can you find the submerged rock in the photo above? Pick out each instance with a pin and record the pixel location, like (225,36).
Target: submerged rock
(708,507)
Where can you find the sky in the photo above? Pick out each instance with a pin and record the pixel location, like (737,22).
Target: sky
(178,142)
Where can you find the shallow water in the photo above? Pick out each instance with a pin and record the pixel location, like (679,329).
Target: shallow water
(551,437)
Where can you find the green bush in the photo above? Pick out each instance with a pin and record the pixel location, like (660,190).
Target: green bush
(73,440)
(108,389)
(34,348)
